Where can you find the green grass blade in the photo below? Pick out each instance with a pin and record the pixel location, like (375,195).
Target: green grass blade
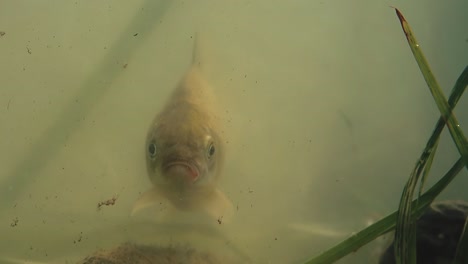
(444,108)
(405,232)
(405,246)
(459,88)
(428,165)
(386,224)
(431,146)
(462,248)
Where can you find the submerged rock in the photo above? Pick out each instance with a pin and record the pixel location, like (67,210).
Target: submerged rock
(438,233)
(142,254)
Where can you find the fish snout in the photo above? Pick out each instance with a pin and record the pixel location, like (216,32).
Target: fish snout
(182,171)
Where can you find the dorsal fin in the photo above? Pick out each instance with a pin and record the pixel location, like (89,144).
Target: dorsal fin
(197,52)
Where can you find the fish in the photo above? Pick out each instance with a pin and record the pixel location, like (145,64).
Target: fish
(185,150)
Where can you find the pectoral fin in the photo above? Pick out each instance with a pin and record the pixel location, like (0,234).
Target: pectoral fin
(149,198)
(218,206)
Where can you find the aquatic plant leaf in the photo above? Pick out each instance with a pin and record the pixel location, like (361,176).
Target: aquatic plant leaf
(425,160)
(387,223)
(444,108)
(461,255)
(428,165)
(405,246)
(431,146)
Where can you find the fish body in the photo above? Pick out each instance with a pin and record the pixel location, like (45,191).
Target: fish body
(184,149)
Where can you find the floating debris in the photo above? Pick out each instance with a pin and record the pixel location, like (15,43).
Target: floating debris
(107,202)
(15,222)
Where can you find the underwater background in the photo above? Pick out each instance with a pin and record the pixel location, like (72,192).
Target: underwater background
(324,109)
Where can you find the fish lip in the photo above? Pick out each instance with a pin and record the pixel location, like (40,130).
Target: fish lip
(194,171)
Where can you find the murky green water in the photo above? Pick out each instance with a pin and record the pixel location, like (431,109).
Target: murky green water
(323,106)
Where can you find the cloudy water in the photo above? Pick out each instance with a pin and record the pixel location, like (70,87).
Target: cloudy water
(324,113)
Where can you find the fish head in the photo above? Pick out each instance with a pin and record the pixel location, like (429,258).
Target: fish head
(181,156)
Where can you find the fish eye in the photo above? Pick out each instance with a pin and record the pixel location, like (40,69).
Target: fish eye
(211,150)
(152,150)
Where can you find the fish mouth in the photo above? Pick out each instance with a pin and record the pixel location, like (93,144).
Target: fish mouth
(182,170)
